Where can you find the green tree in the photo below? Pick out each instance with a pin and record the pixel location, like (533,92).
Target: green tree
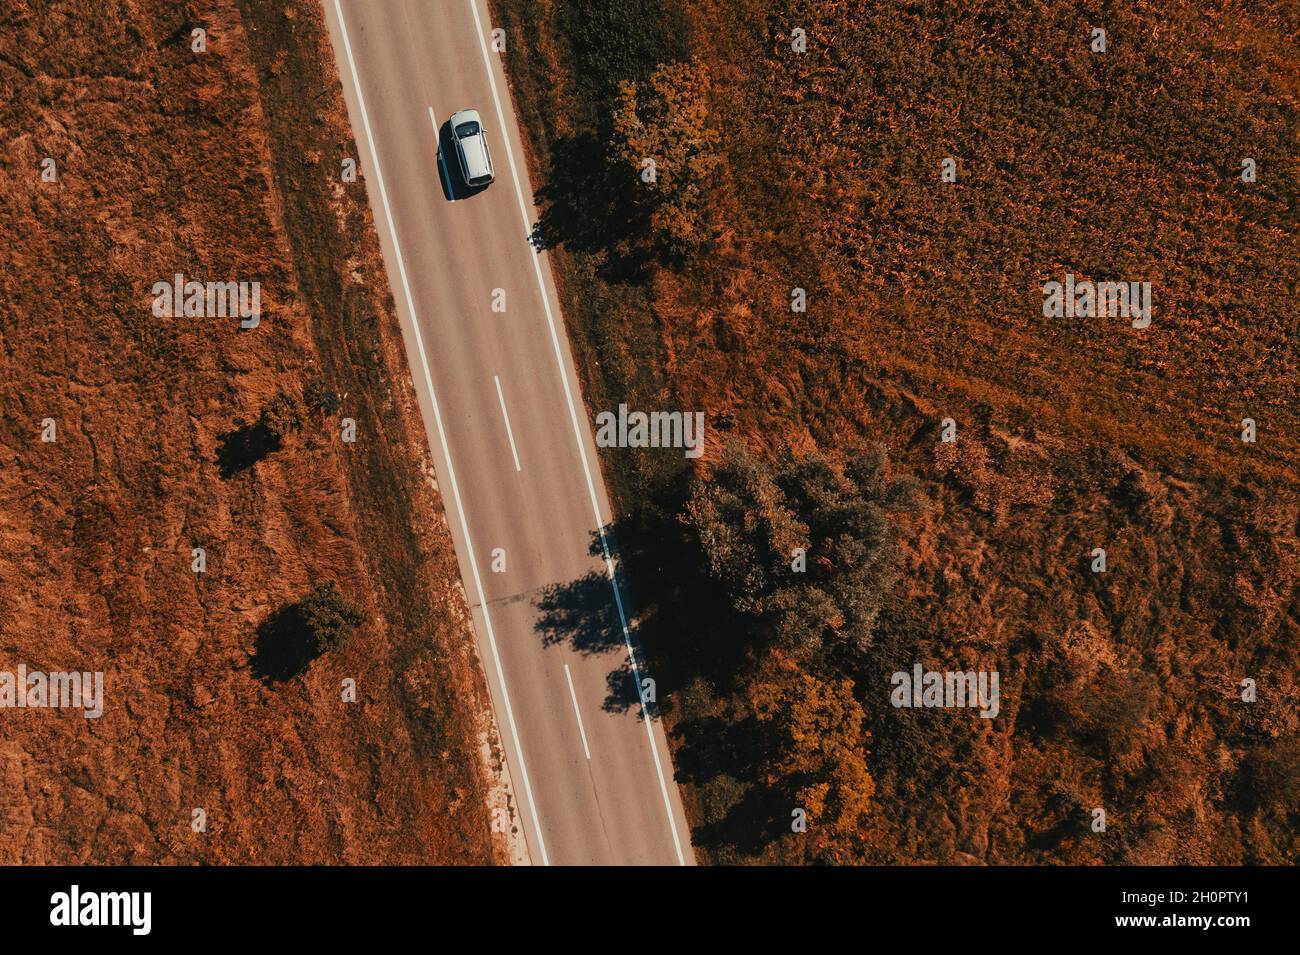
(321,398)
(666,121)
(745,528)
(329,616)
(817,749)
(282,415)
(804,552)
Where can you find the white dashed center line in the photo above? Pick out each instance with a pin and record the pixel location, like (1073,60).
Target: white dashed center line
(509,434)
(574,696)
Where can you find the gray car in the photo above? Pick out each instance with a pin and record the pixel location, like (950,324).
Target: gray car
(472,147)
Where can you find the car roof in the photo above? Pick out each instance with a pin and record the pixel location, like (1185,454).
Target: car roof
(473,148)
(464,116)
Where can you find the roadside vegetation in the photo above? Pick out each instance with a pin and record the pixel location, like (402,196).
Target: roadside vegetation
(201,531)
(820,171)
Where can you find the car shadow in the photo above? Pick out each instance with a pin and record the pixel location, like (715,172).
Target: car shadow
(454,186)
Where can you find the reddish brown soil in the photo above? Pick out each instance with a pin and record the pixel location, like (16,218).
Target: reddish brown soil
(221,165)
(1122,688)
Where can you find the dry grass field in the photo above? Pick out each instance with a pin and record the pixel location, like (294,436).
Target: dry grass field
(221,165)
(1120,690)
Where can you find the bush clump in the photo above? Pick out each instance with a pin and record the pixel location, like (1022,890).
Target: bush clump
(329,616)
(282,415)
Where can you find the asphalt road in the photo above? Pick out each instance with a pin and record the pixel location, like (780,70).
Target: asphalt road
(512,441)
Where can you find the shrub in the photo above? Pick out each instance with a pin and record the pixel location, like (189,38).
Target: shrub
(817,747)
(321,399)
(751,520)
(1273,774)
(329,616)
(666,119)
(282,415)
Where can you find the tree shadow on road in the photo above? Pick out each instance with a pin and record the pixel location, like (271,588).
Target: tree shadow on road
(582,615)
(680,635)
(688,643)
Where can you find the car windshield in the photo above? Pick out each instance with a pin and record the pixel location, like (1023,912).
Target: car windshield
(465,130)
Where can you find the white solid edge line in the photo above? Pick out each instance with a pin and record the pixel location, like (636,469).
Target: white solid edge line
(576,712)
(509,434)
(577,433)
(442,434)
